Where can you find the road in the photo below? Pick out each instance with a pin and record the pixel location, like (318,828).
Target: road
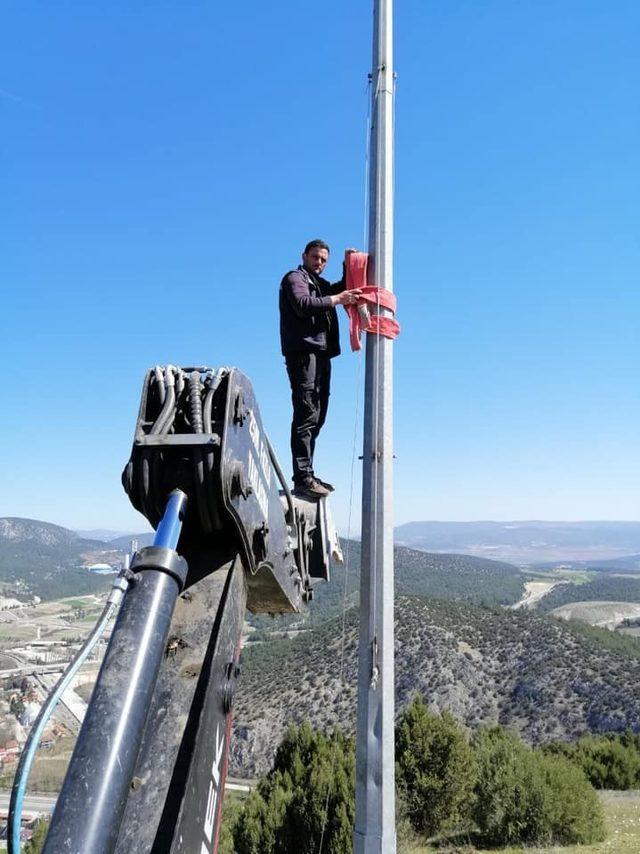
(44,804)
(32,803)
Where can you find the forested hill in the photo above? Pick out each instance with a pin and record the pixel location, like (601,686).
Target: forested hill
(546,678)
(418,573)
(454,576)
(44,559)
(38,558)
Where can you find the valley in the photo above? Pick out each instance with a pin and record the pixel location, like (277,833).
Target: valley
(485,639)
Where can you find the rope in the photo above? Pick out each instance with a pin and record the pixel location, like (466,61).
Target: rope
(345,587)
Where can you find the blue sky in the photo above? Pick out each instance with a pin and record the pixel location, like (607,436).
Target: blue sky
(163,163)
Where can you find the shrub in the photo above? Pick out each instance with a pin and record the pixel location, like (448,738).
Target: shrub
(573,813)
(434,769)
(310,789)
(530,797)
(609,761)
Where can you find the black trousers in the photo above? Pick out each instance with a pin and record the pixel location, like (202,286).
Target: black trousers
(310,378)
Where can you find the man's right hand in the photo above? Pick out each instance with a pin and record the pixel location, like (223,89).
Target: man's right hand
(349,297)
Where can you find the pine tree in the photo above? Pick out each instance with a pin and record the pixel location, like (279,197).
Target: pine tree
(434,769)
(308,795)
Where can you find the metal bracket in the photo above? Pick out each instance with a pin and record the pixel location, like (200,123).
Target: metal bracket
(162,560)
(375,670)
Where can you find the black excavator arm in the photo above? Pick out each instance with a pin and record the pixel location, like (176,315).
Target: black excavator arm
(148,770)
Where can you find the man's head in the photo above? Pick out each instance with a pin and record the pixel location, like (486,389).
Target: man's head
(315,256)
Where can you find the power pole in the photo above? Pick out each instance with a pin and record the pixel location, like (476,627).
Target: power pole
(375,785)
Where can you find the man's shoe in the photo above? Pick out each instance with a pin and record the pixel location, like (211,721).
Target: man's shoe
(311,488)
(326,485)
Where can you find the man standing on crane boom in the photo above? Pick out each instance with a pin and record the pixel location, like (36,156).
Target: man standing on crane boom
(309,336)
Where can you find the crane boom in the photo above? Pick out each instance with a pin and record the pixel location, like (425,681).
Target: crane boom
(149,765)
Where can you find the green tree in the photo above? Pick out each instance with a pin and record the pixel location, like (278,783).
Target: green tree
(308,795)
(16,706)
(435,769)
(231,812)
(36,843)
(529,797)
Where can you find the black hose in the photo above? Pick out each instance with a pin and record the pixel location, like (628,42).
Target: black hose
(162,393)
(162,425)
(168,411)
(195,402)
(195,410)
(212,383)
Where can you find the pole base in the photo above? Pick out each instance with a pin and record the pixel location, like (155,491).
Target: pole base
(373,843)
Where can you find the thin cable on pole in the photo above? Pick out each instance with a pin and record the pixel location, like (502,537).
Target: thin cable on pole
(376,388)
(345,588)
(367,148)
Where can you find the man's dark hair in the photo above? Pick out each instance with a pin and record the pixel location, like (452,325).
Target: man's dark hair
(313,243)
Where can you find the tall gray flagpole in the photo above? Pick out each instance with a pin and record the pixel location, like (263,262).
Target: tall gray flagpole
(375,796)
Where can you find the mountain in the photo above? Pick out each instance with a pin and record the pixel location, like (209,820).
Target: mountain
(34,553)
(545,678)
(525,542)
(629,563)
(102,534)
(41,559)
(39,534)
(124,542)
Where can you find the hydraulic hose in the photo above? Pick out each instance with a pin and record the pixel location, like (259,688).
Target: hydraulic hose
(162,425)
(212,383)
(195,402)
(281,478)
(167,413)
(162,392)
(197,425)
(118,590)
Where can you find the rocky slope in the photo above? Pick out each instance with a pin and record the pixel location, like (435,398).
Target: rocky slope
(541,676)
(39,534)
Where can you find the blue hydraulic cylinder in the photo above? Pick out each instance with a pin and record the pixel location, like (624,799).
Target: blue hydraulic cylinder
(93,798)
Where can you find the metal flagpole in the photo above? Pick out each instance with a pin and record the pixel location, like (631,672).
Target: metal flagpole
(375,796)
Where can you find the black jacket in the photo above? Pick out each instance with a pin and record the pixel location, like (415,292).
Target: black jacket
(308,321)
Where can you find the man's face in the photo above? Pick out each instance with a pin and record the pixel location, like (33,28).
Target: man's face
(315,260)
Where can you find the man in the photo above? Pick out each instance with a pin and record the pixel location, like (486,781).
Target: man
(310,339)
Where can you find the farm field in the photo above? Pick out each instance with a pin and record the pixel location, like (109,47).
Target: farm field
(604,614)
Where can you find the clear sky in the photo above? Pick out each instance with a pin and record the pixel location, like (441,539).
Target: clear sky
(163,163)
